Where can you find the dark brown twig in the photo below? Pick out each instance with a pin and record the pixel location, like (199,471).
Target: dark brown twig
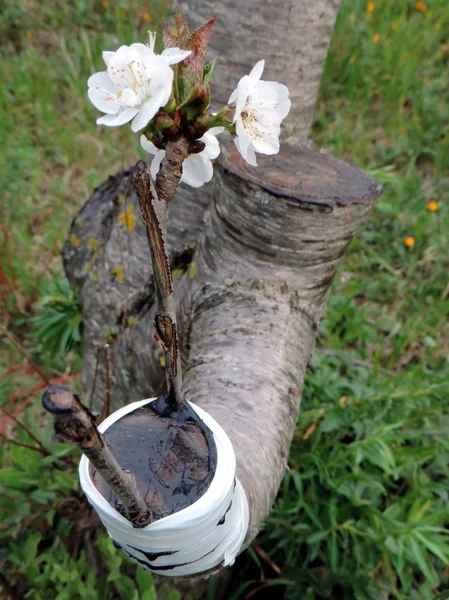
(94,383)
(107,402)
(170,173)
(29,433)
(75,423)
(22,499)
(24,353)
(22,445)
(154,214)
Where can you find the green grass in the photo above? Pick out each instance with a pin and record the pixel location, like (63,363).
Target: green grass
(363,510)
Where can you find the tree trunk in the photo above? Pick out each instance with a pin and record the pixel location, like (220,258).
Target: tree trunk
(291,35)
(250,298)
(254,252)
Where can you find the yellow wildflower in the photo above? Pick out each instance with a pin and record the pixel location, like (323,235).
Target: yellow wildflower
(422,6)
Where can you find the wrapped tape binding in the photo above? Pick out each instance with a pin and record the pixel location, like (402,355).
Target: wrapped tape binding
(199,538)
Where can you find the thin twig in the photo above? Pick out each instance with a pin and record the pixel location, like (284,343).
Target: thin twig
(13,369)
(25,429)
(94,384)
(21,499)
(154,213)
(24,353)
(22,445)
(353,361)
(170,173)
(107,402)
(74,423)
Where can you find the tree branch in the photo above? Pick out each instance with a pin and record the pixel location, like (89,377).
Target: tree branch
(154,214)
(24,353)
(170,173)
(75,423)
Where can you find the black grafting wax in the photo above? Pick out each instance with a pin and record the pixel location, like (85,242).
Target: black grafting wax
(172,457)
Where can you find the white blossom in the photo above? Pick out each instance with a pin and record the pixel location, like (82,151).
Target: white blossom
(136,84)
(260,107)
(197,169)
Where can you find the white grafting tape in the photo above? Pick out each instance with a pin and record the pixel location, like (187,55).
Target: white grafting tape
(198,538)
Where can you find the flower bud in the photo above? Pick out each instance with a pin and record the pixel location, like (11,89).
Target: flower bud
(170,107)
(163,121)
(167,126)
(194,130)
(224,118)
(198,101)
(196,147)
(159,141)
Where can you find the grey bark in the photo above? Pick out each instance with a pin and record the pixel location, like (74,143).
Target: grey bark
(249,303)
(291,35)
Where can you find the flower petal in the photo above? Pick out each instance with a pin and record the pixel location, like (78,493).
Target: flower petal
(156,163)
(146,113)
(147,145)
(271,99)
(120,119)
(257,70)
(142,49)
(196,171)
(251,157)
(175,55)
(107,57)
(212,149)
(268,141)
(103,81)
(240,95)
(215,130)
(246,151)
(103,101)
(233,97)
(243,137)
